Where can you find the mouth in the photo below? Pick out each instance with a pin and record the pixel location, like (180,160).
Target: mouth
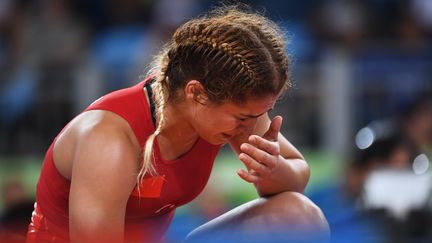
(227,136)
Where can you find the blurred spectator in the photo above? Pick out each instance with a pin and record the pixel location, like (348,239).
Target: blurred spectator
(14,219)
(391,180)
(378,145)
(410,34)
(341,21)
(371,203)
(421,10)
(416,122)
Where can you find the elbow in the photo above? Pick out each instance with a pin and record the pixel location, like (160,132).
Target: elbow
(304,175)
(300,172)
(293,178)
(96,229)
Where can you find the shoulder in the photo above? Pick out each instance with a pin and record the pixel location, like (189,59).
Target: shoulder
(96,136)
(104,157)
(104,132)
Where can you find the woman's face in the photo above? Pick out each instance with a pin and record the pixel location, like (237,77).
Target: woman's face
(217,124)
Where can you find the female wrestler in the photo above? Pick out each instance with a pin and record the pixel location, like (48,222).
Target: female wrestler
(118,170)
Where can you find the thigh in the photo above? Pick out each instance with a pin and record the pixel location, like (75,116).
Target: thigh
(284,217)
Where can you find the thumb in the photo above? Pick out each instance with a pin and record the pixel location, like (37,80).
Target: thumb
(274,128)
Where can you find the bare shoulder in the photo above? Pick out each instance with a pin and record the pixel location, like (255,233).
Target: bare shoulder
(92,136)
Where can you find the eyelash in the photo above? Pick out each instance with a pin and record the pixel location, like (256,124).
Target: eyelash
(242,119)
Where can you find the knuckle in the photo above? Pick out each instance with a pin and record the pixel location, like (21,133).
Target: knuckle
(276,145)
(264,168)
(260,167)
(249,162)
(267,157)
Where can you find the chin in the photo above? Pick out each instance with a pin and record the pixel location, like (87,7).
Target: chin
(216,140)
(219,144)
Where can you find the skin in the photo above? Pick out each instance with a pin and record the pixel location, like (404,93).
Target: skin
(269,158)
(99,153)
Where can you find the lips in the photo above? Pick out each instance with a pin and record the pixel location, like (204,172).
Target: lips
(227,136)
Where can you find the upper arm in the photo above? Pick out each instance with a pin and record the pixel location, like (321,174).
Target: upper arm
(103,176)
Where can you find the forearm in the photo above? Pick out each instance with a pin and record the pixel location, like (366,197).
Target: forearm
(288,175)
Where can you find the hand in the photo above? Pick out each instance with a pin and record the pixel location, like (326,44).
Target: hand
(261,154)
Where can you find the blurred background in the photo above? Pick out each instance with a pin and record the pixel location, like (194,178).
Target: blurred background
(360,109)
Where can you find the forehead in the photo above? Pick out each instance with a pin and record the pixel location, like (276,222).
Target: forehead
(252,106)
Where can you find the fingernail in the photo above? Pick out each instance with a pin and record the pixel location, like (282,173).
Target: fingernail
(243,146)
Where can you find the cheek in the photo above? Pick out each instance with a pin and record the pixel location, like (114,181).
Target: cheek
(215,121)
(212,123)
(223,124)
(250,122)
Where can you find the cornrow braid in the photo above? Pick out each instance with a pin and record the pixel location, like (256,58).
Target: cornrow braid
(244,54)
(227,49)
(204,32)
(269,33)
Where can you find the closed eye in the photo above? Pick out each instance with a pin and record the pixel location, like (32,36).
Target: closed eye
(253,116)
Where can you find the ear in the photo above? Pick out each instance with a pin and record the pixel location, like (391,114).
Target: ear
(195,91)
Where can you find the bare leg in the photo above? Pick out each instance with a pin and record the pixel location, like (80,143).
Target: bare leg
(285,217)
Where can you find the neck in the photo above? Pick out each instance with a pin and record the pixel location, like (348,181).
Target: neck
(177,136)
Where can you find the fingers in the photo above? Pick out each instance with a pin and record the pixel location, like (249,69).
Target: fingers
(249,177)
(261,154)
(273,131)
(264,144)
(253,153)
(254,165)
(258,162)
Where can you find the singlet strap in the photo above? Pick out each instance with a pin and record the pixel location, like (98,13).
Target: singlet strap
(151,102)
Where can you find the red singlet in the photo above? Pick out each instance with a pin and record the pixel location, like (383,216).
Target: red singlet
(152,209)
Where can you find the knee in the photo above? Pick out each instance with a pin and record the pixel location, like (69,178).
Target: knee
(285,217)
(296,211)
